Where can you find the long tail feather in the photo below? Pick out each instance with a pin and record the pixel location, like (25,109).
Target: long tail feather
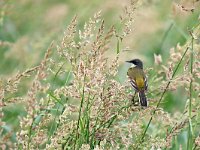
(142,98)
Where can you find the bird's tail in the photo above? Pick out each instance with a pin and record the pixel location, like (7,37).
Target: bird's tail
(142,98)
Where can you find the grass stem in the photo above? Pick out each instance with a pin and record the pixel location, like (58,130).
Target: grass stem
(190,130)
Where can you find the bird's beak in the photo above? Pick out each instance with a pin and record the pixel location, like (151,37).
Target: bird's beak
(128,61)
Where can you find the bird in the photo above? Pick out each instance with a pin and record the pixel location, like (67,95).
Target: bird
(138,80)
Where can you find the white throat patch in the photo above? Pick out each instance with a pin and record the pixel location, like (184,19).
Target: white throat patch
(133,65)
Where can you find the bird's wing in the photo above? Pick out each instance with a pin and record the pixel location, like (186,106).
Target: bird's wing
(131,76)
(133,84)
(145,83)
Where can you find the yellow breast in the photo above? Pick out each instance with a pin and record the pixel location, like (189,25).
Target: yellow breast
(140,83)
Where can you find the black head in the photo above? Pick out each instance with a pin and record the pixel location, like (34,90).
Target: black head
(136,62)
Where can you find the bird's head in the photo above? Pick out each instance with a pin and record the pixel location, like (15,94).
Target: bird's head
(136,62)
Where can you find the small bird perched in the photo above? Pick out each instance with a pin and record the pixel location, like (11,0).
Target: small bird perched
(138,80)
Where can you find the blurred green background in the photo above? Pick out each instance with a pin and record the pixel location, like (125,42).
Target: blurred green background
(27,27)
(30,26)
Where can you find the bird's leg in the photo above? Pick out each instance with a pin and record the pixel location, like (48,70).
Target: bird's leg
(133,98)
